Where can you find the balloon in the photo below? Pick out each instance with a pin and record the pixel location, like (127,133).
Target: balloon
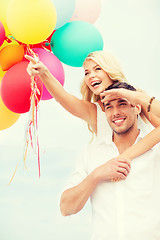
(16,89)
(3,13)
(2,34)
(7,117)
(74,41)
(31,21)
(1,73)
(45,44)
(65,10)
(10,42)
(87,11)
(11,55)
(5,43)
(54,66)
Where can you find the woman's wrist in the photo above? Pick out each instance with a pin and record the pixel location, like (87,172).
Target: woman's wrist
(143,99)
(44,74)
(125,155)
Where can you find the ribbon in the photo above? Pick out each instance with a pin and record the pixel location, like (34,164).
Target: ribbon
(32,128)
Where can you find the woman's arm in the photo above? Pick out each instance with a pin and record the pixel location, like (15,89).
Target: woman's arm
(143,145)
(79,108)
(154,115)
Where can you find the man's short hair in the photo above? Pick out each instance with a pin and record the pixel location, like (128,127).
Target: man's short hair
(118,84)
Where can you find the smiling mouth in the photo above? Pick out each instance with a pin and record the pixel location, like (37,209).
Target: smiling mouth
(94,84)
(119,120)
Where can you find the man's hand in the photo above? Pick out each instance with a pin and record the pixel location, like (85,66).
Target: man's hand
(114,169)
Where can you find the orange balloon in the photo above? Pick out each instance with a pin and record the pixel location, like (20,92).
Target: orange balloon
(1,73)
(10,55)
(11,42)
(7,117)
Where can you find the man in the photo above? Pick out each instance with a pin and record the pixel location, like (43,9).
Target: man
(124,210)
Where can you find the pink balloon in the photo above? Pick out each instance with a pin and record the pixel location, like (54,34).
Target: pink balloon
(55,67)
(2,34)
(87,11)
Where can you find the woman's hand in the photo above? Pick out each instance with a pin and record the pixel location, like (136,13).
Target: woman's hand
(132,96)
(35,67)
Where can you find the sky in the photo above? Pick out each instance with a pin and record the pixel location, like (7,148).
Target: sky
(29,206)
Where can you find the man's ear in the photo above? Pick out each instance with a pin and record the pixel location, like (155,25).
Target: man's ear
(138,109)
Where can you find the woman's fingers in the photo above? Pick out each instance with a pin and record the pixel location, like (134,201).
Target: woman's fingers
(32,69)
(108,92)
(109,97)
(32,72)
(124,171)
(33,60)
(124,160)
(125,166)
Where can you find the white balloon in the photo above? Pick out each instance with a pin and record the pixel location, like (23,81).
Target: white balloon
(87,10)
(65,10)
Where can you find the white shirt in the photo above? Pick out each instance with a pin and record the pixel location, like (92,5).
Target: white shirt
(125,210)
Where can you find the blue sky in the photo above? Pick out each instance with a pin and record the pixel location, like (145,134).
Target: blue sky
(29,207)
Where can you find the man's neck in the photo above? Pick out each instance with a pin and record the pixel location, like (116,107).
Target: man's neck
(124,141)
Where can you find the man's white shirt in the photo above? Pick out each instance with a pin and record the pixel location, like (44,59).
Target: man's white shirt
(125,210)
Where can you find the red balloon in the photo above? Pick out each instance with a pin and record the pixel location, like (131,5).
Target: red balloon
(16,88)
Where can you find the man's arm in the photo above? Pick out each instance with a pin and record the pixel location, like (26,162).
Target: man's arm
(74,199)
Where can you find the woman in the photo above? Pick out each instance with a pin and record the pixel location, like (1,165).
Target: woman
(85,109)
(101,70)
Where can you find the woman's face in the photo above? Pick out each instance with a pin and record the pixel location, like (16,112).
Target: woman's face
(95,77)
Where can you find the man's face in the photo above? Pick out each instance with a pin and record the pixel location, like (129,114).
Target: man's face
(121,115)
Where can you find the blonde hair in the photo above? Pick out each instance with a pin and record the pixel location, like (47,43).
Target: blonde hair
(110,65)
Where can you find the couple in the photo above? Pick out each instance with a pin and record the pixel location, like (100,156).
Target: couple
(127,209)
(122,210)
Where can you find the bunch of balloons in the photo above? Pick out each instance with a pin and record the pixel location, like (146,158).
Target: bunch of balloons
(57,31)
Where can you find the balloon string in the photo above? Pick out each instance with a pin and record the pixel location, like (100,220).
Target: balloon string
(38,142)
(32,131)
(34,109)
(8,39)
(33,125)
(25,155)
(14,173)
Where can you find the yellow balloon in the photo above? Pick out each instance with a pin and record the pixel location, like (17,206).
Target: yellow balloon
(7,117)
(3,13)
(31,21)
